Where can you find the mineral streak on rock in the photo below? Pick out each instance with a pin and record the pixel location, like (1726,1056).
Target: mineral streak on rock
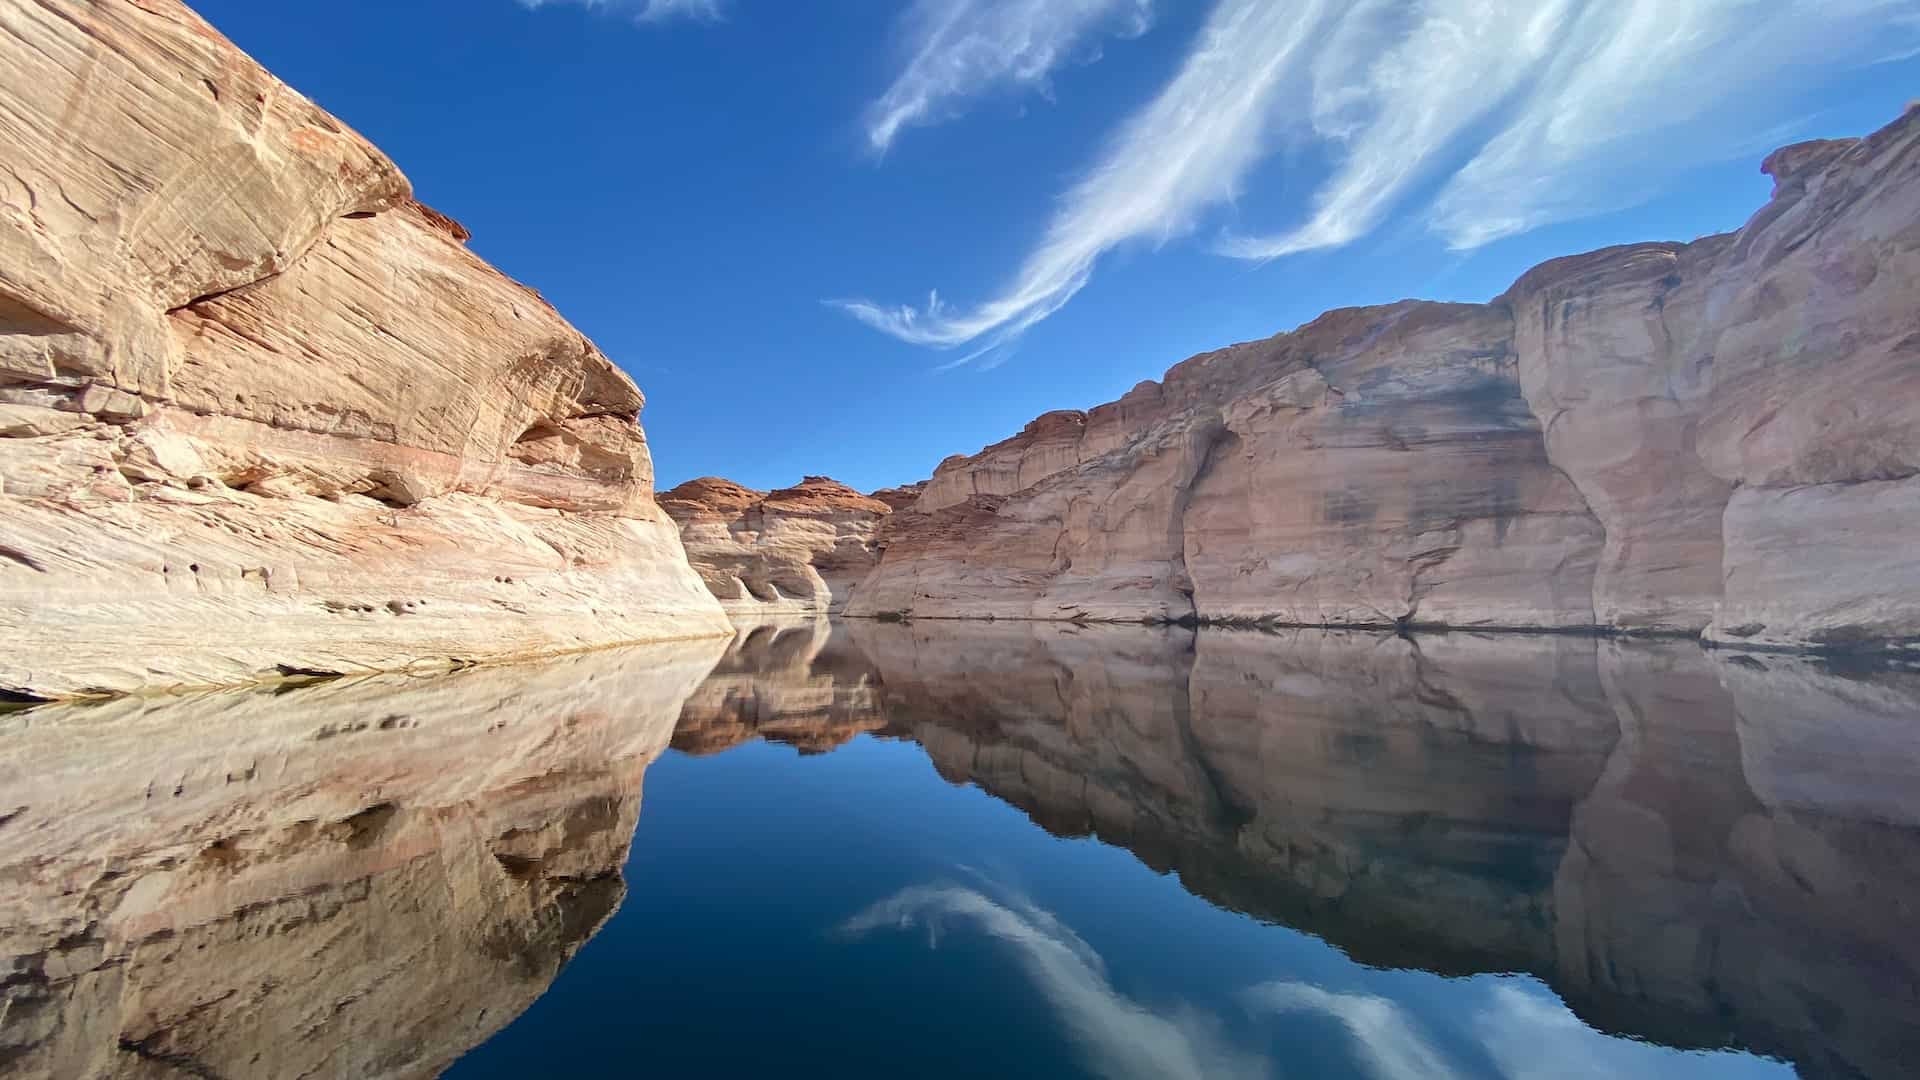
(262,410)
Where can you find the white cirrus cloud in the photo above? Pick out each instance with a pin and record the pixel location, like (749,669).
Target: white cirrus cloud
(1636,91)
(1186,150)
(959,50)
(644,10)
(1478,118)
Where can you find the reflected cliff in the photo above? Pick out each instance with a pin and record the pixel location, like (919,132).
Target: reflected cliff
(1697,849)
(362,878)
(372,877)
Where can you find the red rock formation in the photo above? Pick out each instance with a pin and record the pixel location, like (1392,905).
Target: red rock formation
(798,550)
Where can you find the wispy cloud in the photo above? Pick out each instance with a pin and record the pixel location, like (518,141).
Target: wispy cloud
(1186,150)
(1120,1037)
(644,10)
(1635,92)
(1504,115)
(958,50)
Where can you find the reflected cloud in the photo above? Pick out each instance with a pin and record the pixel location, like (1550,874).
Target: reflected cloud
(1533,1037)
(1390,1046)
(1120,1037)
(1524,1031)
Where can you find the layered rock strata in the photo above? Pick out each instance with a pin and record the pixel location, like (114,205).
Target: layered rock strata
(1716,437)
(365,878)
(260,410)
(796,551)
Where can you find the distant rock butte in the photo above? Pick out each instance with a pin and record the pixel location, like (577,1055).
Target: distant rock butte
(260,410)
(1720,437)
(798,550)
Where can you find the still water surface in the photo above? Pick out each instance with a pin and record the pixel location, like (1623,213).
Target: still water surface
(981,850)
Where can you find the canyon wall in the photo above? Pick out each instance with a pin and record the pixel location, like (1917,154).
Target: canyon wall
(262,411)
(797,551)
(363,878)
(1717,437)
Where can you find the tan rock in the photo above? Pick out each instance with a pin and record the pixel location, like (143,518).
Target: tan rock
(1655,437)
(312,430)
(365,878)
(1612,361)
(1816,361)
(1376,466)
(799,550)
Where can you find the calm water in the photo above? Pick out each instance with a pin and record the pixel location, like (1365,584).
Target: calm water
(981,850)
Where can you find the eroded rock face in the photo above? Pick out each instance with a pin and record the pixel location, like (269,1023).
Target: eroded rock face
(1700,849)
(797,551)
(365,878)
(259,409)
(1716,436)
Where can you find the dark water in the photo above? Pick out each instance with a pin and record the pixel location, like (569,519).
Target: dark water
(981,850)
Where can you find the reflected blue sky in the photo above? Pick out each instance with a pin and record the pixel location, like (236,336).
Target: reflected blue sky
(854,914)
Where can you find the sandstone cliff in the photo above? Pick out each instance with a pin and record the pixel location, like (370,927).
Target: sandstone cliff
(366,878)
(1713,437)
(799,550)
(261,410)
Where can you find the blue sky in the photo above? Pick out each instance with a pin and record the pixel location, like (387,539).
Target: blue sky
(751,204)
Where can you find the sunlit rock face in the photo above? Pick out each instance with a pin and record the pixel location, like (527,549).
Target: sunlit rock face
(797,551)
(363,879)
(1716,436)
(1696,848)
(260,409)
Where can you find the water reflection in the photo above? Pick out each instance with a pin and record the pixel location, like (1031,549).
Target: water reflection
(369,878)
(1700,850)
(360,879)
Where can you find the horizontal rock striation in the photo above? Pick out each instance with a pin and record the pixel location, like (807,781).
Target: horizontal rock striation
(797,551)
(1716,437)
(260,410)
